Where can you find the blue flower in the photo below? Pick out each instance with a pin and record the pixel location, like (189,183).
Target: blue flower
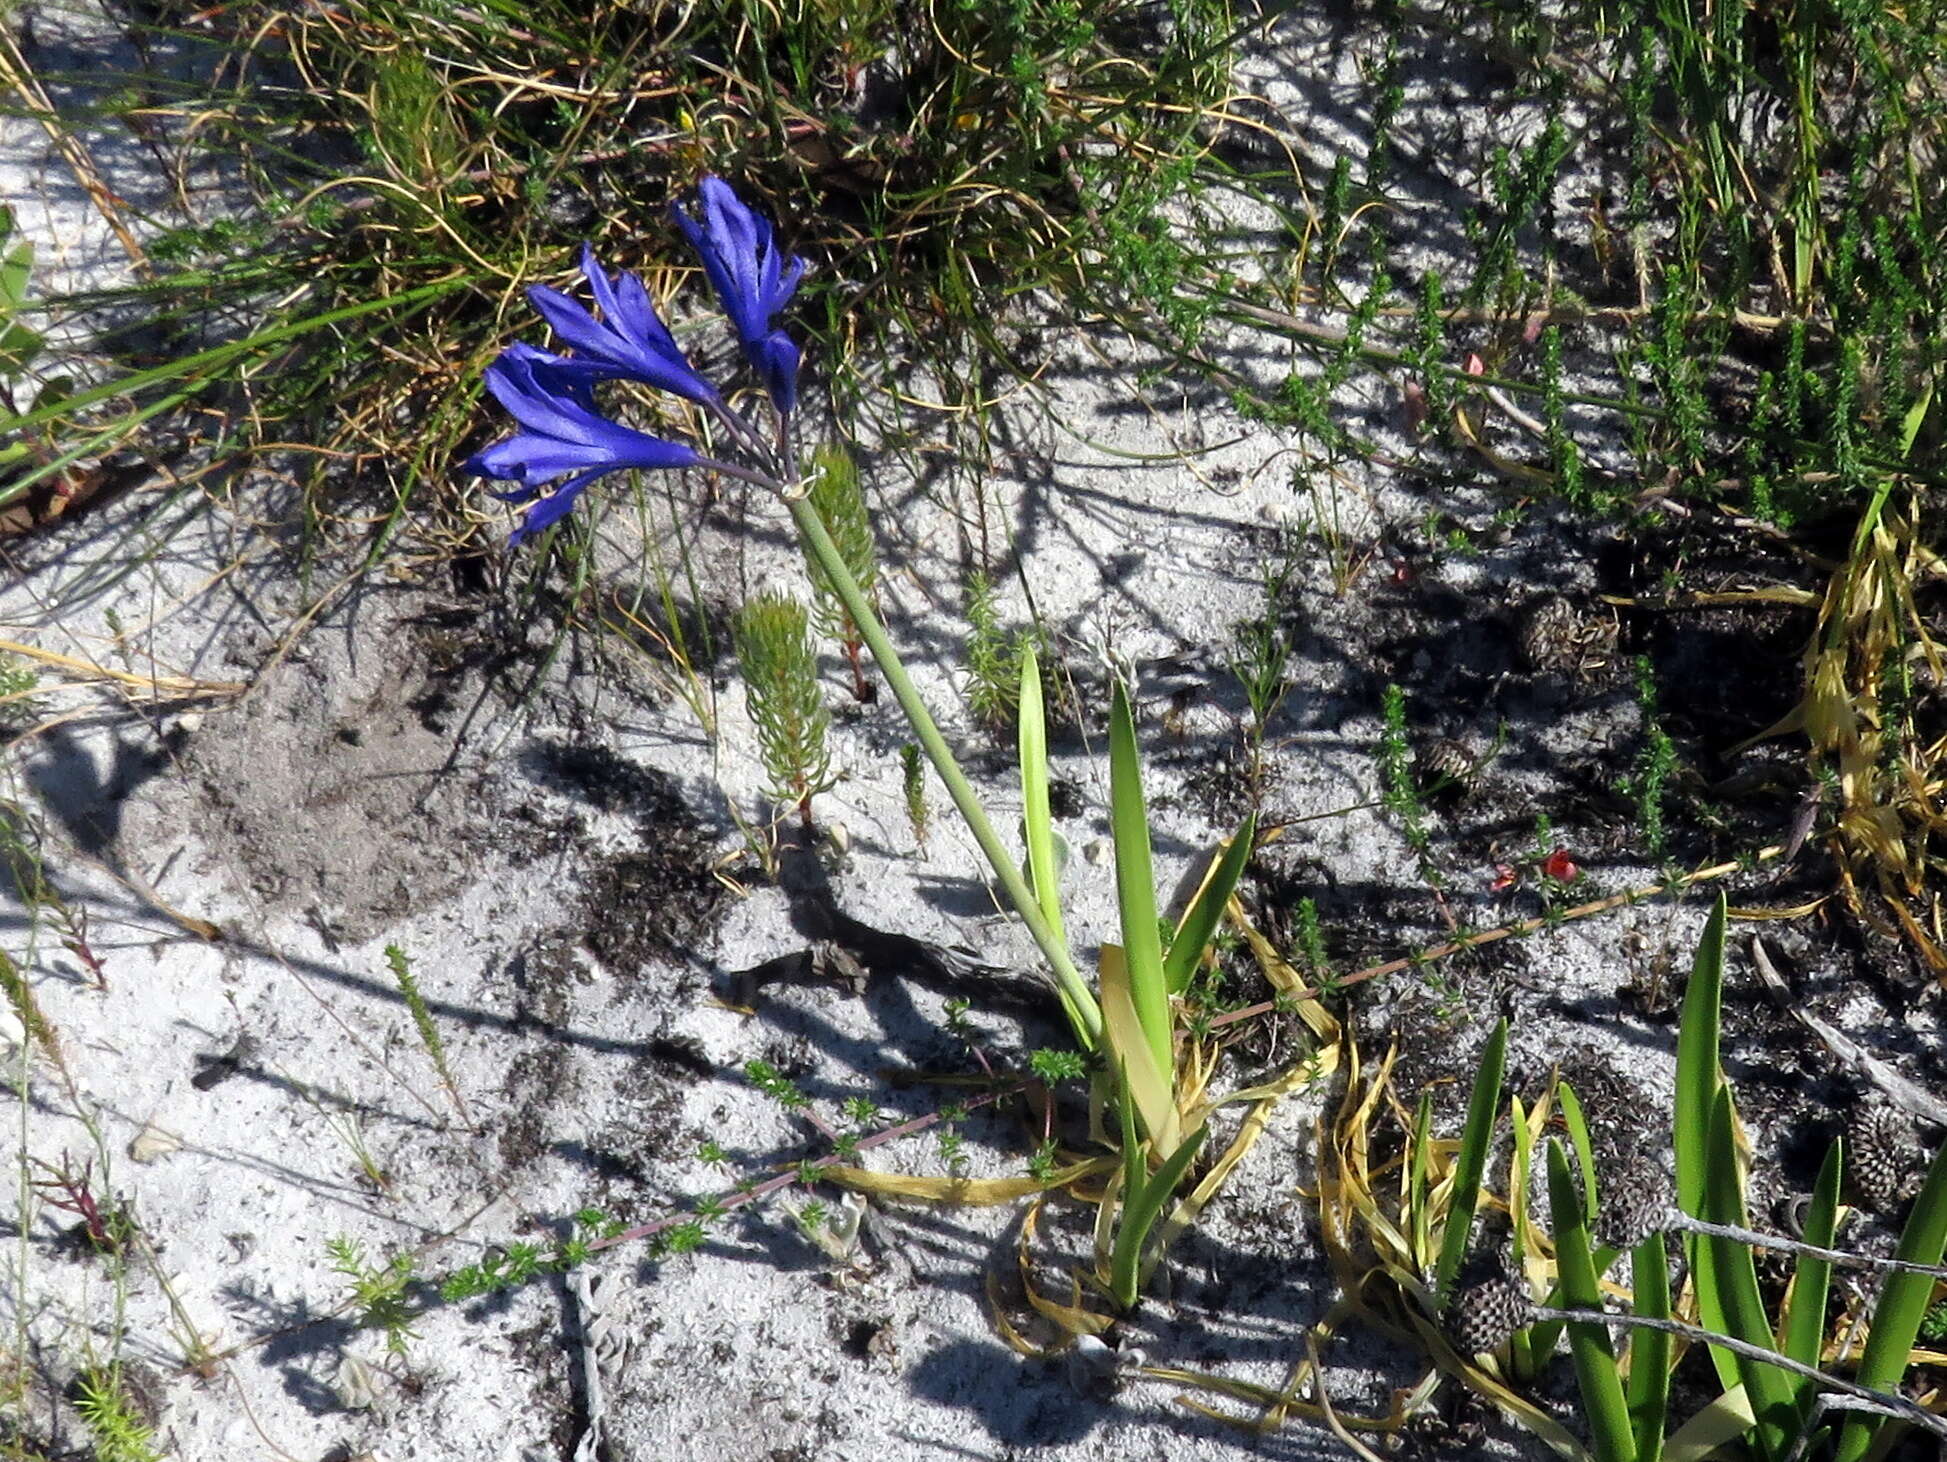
(564,436)
(630,341)
(753,281)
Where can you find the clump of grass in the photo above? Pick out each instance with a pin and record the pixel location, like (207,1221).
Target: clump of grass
(422,1020)
(781,678)
(442,170)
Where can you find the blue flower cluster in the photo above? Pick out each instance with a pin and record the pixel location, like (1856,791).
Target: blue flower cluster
(565,442)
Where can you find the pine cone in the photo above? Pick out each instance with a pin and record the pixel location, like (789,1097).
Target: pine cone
(1879,1154)
(1635,1203)
(1446,771)
(1484,1312)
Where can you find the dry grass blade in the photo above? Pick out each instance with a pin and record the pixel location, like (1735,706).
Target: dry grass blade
(1872,645)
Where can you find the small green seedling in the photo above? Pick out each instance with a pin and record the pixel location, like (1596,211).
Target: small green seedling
(422,1021)
(840,504)
(781,678)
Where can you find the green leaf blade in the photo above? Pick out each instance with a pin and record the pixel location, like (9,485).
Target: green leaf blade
(1135,884)
(1604,1403)
(1206,910)
(1902,1305)
(1482,1107)
(1043,870)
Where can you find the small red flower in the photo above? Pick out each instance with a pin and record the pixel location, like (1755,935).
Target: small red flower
(1560,867)
(1475,365)
(1504,878)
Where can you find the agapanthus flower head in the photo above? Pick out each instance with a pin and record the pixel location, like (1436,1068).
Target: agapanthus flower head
(563,436)
(629,342)
(752,279)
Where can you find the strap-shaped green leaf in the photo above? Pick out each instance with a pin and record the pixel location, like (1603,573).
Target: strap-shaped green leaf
(1140,1211)
(1733,1275)
(1206,910)
(1603,1403)
(1578,1134)
(1471,1162)
(1804,1331)
(1902,1305)
(1135,885)
(1038,825)
(1649,1350)
(1699,1075)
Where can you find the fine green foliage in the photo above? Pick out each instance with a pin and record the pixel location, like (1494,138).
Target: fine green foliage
(1398,791)
(115,1427)
(400,964)
(994,657)
(518,1263)
(781,679)
(18,682)
(1655,766)
(20,999)
(912,781)
(1259,658)
(378,1291)
(840,504)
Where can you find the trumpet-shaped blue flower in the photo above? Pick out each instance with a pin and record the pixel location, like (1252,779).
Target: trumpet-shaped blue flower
(563,436)
(753,281)
(629,342)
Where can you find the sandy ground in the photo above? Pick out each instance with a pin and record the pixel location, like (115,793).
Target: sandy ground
(556,846)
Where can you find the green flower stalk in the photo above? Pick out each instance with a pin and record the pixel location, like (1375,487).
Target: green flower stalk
(566,442)
(1076,997)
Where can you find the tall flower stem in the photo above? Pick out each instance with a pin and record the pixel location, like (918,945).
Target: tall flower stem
(1076,998)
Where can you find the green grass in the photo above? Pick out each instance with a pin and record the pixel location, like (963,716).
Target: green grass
(1707,263)
(427,163)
